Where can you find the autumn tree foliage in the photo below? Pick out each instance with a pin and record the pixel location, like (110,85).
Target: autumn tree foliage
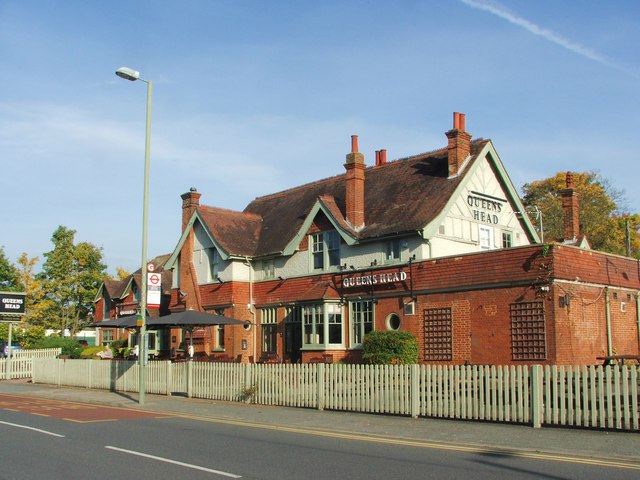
(603,219)
(70,277)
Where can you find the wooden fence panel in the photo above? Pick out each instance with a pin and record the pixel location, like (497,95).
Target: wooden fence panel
(593,397)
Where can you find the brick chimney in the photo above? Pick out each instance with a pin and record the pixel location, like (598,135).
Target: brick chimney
(570,210)
(190,201)
(459,144)
(354,184)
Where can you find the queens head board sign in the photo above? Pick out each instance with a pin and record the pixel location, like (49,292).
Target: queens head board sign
(11,305)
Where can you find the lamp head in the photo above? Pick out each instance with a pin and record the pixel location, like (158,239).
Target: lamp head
(128,73)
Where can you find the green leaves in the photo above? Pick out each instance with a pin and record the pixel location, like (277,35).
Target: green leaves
(70,276)
(9,275)
(390,348)
(602,220)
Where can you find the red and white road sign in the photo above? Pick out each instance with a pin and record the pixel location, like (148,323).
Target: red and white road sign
(154,290)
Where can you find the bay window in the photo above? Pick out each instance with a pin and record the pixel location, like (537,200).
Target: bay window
(322,325)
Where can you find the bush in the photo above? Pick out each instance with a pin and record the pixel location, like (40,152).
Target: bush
(68,345)
(390,348)
(90,352)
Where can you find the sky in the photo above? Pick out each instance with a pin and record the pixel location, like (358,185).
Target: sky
(254,97)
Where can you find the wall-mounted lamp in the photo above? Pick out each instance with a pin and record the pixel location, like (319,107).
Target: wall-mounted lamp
(352,267)
(374,263)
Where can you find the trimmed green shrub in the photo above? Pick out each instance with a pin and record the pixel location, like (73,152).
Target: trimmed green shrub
(90,352)
(390,348)
(68,345)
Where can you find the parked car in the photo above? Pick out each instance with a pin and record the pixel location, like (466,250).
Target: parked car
(83,343)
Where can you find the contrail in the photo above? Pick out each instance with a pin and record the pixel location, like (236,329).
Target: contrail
(501,12)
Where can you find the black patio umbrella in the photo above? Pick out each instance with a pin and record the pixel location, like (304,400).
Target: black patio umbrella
(129,321)
(192,318)
(186,319)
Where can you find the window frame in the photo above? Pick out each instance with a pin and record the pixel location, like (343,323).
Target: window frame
(489,237)
(394,251)
(269,330)
(358,313)
(317,325)
(324,248)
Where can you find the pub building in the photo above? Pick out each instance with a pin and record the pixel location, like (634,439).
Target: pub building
(437,244)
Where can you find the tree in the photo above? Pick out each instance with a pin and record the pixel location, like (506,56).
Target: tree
(121,273)
(36,304)
(602,220)
(9,276)
(71,275)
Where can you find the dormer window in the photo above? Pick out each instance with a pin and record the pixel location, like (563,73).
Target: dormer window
(325,250)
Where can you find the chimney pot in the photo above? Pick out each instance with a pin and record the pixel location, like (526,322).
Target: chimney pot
(456,120)
(377,157)
(354,143)
(383,156)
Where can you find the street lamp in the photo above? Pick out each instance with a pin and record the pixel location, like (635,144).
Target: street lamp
(132,75)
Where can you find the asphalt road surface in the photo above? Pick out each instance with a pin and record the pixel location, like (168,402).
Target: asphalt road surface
(52,439)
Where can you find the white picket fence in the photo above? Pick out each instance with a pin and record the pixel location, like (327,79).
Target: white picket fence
(593,397)
(20,364)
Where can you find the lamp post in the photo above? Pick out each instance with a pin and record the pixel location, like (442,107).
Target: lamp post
(132,75)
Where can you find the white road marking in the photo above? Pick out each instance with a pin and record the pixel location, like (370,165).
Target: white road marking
(174,462)
(32,428)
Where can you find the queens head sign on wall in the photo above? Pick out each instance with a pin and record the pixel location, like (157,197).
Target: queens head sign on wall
(11,304)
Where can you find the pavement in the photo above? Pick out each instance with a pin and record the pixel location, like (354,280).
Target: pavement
(498,438)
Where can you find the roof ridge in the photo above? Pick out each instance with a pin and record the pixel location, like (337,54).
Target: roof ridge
(228,210)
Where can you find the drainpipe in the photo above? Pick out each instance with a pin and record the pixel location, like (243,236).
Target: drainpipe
(607,307)
(638,317)
(251,309)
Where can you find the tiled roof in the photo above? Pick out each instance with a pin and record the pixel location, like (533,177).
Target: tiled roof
(400,196)
(236,232)
(115,288)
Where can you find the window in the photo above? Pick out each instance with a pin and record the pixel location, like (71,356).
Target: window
(528,337)
(214,263)
(438,334)
(325,250)
(268,269)
(322,324)
(218,334)
(393,250)
(219,338)
(361,321)
(107,335)
(506,240)
(486,237)
(269,317)
(393,322)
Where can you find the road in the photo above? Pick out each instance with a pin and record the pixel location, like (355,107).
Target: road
(52,439)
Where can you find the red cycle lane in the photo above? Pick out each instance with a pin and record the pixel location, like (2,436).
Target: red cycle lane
(72,411)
